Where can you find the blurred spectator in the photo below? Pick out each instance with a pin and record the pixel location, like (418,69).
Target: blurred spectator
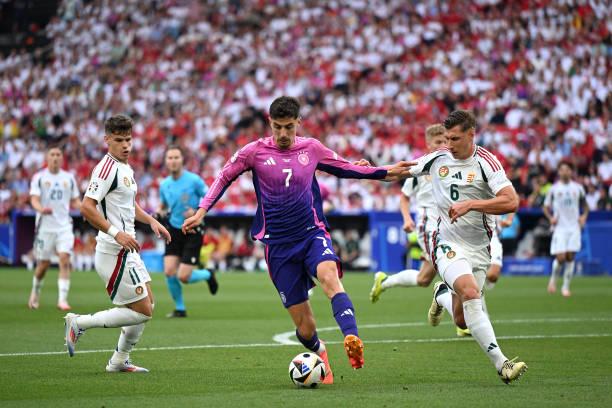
(371,76)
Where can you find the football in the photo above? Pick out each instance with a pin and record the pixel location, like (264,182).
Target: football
(307,370)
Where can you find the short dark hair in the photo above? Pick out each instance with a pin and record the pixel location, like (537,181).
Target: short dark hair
(465,118)
(566,163)
(174,147)
(118,125)
(285,107)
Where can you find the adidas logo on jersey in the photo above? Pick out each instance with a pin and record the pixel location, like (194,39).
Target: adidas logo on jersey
(457,176)
(270,162)
(328,251)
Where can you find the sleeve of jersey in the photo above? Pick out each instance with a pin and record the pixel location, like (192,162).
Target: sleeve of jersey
(35,185)
(101,180)
(162,196)
(549,197)
(409,186)
(495,173)
(75,187)
(424,163)
(238,164)
(331,163)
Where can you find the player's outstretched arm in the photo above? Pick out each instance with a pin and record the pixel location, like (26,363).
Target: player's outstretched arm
(192,222)
(506,201)
(158,229)
(399,171)
(93,216)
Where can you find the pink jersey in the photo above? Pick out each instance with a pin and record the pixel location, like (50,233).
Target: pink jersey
(289,205)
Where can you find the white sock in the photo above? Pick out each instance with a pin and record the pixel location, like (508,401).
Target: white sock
(568,273)
(484,305)
(403,278)
(115,317)
(555,272)
(63,286)
(480,327)
(130,335)
(37,285)
(321,348)
(446,299)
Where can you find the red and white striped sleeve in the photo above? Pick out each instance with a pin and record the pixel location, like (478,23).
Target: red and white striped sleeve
(493,170)
(102,178)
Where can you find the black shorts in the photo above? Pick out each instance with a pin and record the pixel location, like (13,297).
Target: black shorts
(185,246)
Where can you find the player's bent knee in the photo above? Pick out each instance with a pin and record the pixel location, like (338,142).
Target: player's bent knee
(469,294)
(184,278)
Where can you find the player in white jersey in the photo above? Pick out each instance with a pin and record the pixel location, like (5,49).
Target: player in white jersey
(52,192)
(421,189)
(469,186)
(110,206)
(562,208)
(497,251)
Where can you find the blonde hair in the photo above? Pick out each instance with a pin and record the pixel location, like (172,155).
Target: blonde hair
(434,130)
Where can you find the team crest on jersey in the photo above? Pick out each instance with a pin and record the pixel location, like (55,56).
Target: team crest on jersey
(139,290)
(93,187)
(470,177)
(303,158)
(451,254)
(65,184)
(443,172)
(47,184)
(126,181)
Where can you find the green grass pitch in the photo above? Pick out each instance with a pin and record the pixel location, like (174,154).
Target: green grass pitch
(224,353)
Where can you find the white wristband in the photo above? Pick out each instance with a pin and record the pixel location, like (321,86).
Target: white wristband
(112,231)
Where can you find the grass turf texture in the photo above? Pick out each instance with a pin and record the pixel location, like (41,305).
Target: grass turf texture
(407,363)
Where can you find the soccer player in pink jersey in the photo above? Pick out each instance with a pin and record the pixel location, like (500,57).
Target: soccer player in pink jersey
(290,221)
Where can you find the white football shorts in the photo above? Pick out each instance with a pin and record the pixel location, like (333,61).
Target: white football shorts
(446,253)
(124,275)
(565,240)
(48,244)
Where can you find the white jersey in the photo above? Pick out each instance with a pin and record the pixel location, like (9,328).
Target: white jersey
(55,192)
(422,190)
(479,177)
(564,199)
(113,186)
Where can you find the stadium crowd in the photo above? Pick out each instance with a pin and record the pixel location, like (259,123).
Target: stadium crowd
(371,75)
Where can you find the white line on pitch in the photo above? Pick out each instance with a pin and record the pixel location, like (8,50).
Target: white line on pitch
(285,337)
(255,345)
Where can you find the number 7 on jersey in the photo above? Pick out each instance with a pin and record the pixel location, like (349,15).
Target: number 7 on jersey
(289,174)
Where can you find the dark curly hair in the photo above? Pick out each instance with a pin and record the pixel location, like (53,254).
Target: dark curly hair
(285,107)
(118,125)
(466,119)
